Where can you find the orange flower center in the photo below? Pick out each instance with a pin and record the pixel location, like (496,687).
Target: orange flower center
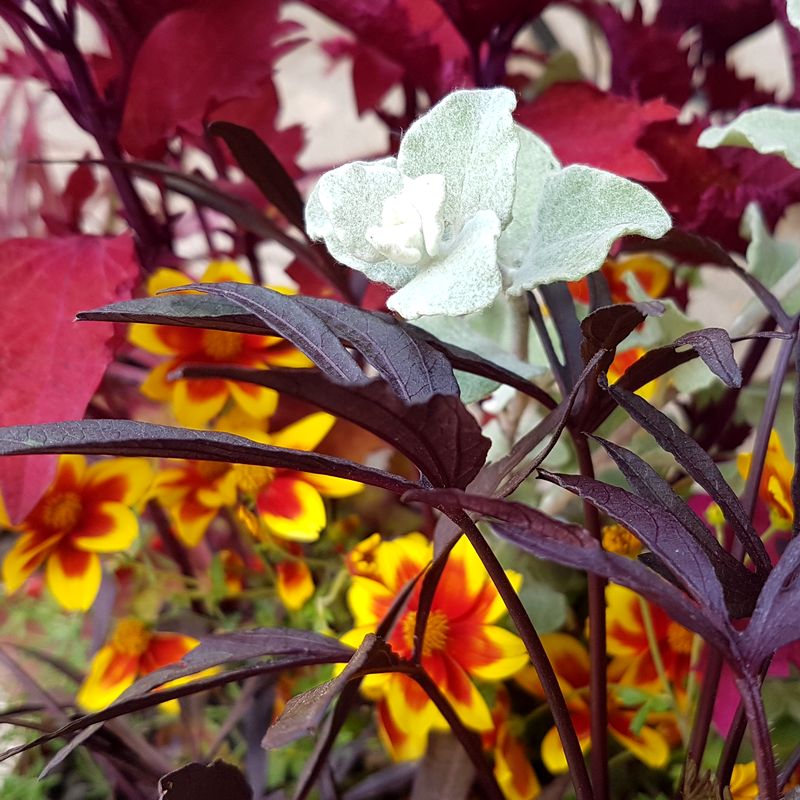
(251,479)
(131,637)
(222,345)
(617,539)
(62,511)
(211,470)
(435,631)
(679,638)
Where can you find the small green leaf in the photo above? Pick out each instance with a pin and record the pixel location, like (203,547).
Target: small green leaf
(582,212)
(767,129)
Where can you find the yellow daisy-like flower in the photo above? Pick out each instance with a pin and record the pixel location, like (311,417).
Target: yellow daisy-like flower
(195,402)
(775,488)
(461,643)
(86,511)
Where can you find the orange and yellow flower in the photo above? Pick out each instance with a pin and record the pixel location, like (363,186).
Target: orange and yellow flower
(195,402)
(653,275)
(295,583)
(744,781)
(775,489)
(461,641)
(193,493)
(289,504)
(133,651)
(512,767)
(570,661)
(628,644)
(87,510)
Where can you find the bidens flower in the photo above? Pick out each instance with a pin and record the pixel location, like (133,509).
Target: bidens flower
(85,511)
(196,401)
(473,204)
(133,651)
(461,640)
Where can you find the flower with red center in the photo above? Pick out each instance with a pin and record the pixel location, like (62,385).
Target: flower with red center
(461,641)
(653,276)
(775,489)
(133,651)
(628,644)
(85,511)
(193,493)
(570,661)
(287,503)
(197,401)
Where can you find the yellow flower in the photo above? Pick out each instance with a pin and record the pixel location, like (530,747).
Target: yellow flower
(775,488)
(617,539)
(133,651)
(461,643)
(196,401)
(86,511)
(295,583)
(744,782)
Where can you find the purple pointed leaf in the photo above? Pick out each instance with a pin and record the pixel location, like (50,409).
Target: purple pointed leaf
(260,164)
(607,327)
(775,621)
(658,529)
(304,712)
(204,782)
(714,346)
(440,437)
(741,586)
(571,546)
(126,438)
(562,309)
(699,464)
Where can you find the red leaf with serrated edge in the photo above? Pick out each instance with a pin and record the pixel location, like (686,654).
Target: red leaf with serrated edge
(51,365)
(195,60)
(585,125)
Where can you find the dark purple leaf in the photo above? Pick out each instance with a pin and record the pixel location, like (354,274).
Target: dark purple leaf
(391,781)
(571,546)
(204,782)
(607,327)
(741,586)
(262,167)
(413,368)
(291,320)
(445,770)
(304,712)
(122,437)
(658,529)
(775,621)
(699,464)
(441,438)
(714,346)
(562,309)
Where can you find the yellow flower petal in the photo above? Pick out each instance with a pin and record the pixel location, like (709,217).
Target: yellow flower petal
(146,337)
(22,560)
(292,509)
(194,407)
(512,655)
(110,674)
(329,486)
(553,753)
(305,434)
(156,386)
(109,528)
(124,480)
(295,584)
(225,271)
(166,278)
(73,576)
(257,401)
(649,746)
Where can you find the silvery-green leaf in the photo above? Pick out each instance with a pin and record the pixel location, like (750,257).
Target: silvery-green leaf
(770,260)
(793,12)
(470,138)
(474,388)
(583,211)
(535,162)
(767,129)
(461,281)
(346,202)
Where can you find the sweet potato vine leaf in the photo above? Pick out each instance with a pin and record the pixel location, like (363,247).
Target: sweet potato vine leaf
(51,365)
(123,437)
(204,782)
(440,437)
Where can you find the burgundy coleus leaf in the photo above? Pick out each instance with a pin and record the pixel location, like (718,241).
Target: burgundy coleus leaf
(707,191)
(62,212)
(52,365)
(726,91)
(585,125)
(720,23)
(476,19)
(440,437)
(373,73)
(571,546)
(204,782)
(634,70)
(192,62)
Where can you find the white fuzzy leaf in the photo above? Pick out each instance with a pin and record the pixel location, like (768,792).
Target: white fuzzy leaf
(583,211)
(767,129)
(463,280)
(793,12)
(471,139)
